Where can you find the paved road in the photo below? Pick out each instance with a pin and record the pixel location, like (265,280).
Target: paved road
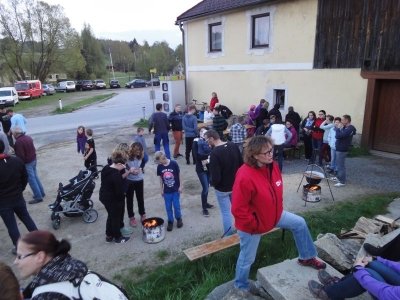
(121,110)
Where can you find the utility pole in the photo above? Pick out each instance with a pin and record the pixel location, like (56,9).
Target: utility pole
(112,66)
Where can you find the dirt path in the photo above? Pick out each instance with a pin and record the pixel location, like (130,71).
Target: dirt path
(60,162)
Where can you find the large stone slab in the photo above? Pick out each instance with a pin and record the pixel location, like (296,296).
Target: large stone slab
(288,280)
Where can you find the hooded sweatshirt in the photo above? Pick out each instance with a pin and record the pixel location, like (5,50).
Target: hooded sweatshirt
(112,186)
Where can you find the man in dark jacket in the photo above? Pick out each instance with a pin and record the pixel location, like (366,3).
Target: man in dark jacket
(225,160)
(175,119)
(294,118)
(13,181)
(275,111)
(25,150)
(159,121)
(344,137)
(219,123)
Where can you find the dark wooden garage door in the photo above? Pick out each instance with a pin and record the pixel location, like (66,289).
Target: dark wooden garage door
(387,127)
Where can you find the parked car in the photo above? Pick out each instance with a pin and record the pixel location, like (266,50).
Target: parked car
(65,86)
(8,96)
(29,89)
(135,83)
(153,82)
(99,84)
(84,85)
(48,89)
(114,84)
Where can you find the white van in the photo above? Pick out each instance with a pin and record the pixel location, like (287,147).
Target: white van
(8,96)
(65,86)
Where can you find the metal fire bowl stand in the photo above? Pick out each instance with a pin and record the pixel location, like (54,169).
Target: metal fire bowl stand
(309,170)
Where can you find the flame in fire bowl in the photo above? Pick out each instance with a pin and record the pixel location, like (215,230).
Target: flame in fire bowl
(153,230)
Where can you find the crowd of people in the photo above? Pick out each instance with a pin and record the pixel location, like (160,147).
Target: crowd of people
(234,154)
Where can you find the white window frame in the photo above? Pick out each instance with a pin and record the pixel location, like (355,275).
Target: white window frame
(271,98)
(208,22)
(257,12)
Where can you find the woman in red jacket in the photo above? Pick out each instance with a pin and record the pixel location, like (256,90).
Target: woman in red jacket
(317,137)
(257,205)
(214,100)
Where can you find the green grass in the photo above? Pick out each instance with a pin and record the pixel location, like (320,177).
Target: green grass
(182,279)
(358,151)
(162,254)
(77,105)
(144,123)
(44,100)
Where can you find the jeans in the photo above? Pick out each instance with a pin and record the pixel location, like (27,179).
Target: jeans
(340,165)
(189,147)
(144,160)
(135,186)
(157,141)
(333,160)
(249,244)
(349,287)
(204,178)
(278,149)
(224,202)
(34,181)
(172,200)
(7,214)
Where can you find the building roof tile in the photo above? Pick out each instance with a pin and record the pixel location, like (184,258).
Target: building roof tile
(209,7)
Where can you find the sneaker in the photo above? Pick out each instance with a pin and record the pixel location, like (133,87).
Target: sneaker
(313,263)
(256,289)
(339,184)
(206,213)
(317,290)
(109,239)
(209,205)
(179,223)
(121,240)
(170,226)
(187,161)
(133,222)
(179,155)
(334,178)
(326,279)
(34,201)
(142,218)
(239,294)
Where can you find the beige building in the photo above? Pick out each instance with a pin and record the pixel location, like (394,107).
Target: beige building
(283,51)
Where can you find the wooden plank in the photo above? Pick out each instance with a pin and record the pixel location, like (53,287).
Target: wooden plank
(387,220)
(214,246)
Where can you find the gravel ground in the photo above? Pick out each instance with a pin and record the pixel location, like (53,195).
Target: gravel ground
(59,162)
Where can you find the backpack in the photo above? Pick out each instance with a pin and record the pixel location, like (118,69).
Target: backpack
(92,286)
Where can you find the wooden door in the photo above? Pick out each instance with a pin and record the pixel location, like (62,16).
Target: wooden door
(387,128)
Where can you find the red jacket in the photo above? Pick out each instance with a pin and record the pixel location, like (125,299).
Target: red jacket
(317,132)
(257,198)
(213,101)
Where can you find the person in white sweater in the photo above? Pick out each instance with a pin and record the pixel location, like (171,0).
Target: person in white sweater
(280,135)
(332,144)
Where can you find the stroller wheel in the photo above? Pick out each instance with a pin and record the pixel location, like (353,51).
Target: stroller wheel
(90,215)
(56,223)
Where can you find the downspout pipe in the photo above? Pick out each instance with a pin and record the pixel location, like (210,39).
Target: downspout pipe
(184,59)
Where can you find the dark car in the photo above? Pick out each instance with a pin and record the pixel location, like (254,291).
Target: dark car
(114,84)
(84,85)
(153,82)
(135,83)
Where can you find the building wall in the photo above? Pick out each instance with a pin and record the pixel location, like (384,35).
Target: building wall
(241,76)
(336,91)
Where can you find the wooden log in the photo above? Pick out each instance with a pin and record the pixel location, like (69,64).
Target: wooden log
(214,246)
(368,225)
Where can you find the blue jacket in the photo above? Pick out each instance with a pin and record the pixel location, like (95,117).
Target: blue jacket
(189,124)
(344,136)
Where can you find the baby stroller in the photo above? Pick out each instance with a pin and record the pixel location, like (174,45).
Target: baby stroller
(73,199)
